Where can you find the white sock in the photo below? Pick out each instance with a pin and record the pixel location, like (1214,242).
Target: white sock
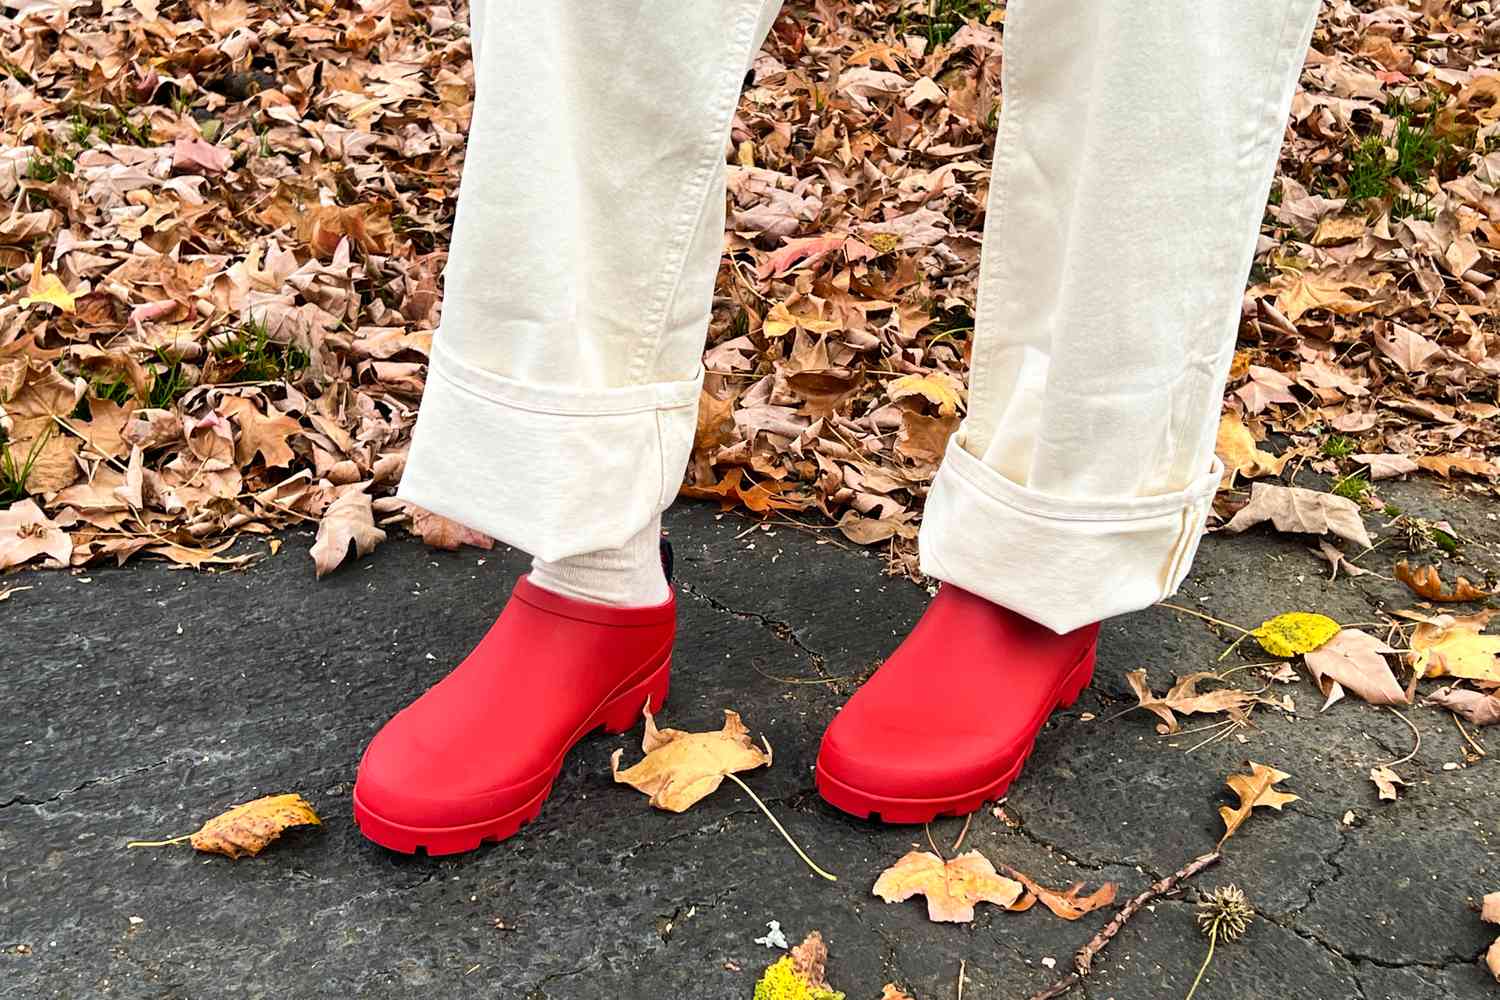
(627,577)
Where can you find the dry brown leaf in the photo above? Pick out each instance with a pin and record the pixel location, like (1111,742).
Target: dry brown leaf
(1184,698)
(25,533)
(1354,660)
(1254,789)
(1237,449)
(1427,582)
(890,991)
(348,520)
(952,887)
(680,768)
(246,829)
(1476,706)
(759,497)
(810,960)
(1069,903)
(1292,508)
(442,533)
(1386,782)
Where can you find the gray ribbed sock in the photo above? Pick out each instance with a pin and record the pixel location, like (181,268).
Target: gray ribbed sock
(627,577)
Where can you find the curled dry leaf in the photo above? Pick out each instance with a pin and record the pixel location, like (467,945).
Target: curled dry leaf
(1355,661)
(1490,912)
(1069,903)
(441,533)
(1291,508)
(1386,781)
(951,887)
(1427,582)
(25,533)
(1452,646)
(1241,455)
(1294,632)
(1258,788)
(680,768)
(1476,706)
(890,991)
(245,830)
(1184,698)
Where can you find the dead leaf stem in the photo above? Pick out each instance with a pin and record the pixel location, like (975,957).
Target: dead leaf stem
(781,829)
(1084,959)
(1456,721)
(1414,731)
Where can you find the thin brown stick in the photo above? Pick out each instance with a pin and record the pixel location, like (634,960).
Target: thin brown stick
(1199,614)
(1461,730)
(1083,961)
(962,833)
(1414,731)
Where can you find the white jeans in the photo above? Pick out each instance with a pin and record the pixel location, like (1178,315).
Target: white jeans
(1137,143)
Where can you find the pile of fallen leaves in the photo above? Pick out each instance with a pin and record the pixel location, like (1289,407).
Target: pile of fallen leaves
(225,225)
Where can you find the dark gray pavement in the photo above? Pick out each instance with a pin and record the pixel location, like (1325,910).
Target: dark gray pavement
(139,702)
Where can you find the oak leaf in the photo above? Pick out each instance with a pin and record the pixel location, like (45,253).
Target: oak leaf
(680,768)
(951,887)
(1426,581)
(1254,789)
(1292,508)
(1184,698)
(245,830)
(349,519)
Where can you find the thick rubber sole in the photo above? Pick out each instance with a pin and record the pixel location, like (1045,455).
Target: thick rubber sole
(618,715)
(870,805)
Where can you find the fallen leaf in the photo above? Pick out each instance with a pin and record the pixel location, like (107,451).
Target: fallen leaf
(1386,466)
(25,533)
(1292,508)
(1386,781)
(1452,646)
(951,887)
(934,389)
(890,991)
(1254,789)
(799,975)
(46,288)
(1237,449)
(1294,632)
(348,519)
(442,533)
(1338,560)
(1426,581)
(680,768)
(1184,697)
(1354,660)
(758,497)
(1479,708)
(1069,903)
(246,829)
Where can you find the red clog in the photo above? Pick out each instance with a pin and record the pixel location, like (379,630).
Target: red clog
(474,758)
(947,722)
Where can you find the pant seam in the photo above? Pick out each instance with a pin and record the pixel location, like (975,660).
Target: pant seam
(552,411)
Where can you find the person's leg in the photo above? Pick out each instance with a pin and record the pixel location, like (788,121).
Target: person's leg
(562,392)
(1136,147)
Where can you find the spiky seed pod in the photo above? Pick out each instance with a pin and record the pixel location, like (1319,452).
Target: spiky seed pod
(1225,914)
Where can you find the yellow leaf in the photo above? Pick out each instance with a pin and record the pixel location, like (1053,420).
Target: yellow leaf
(46,288)
(1295,632)
(1452,646)
(951,887)
(1237,449)
(246,829)
(934,390)
(1254,789)
(681,768)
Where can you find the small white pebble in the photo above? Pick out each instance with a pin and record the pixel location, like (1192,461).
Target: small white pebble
(1050,963)
(137,920)
(1451,766)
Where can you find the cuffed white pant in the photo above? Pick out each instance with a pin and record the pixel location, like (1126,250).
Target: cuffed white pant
(1136,147)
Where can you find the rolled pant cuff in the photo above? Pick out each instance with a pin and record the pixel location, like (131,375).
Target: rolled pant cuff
(1062,562)
(553,471)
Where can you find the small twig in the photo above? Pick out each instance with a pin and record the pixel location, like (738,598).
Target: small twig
(1212,940)
(1414,731)
(781,829)
(1462,731)
(962,833)
(1199,614)
(1228,726)
(159,843)
(1083,961)
(962,964)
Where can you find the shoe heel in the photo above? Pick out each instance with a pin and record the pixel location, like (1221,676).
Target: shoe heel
(1078,680)
(621,714)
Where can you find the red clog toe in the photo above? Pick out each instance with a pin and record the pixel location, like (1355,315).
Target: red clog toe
(948,721)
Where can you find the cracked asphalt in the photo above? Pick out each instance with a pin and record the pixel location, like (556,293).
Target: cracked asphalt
(142,701)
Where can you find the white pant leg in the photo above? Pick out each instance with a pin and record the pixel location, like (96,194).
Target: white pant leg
(1136,148)
(562,392)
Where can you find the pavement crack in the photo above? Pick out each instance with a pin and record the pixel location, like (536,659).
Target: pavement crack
(105,779)
(783,631)
(1332,861)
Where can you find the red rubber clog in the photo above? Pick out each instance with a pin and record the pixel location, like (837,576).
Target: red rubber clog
(947,722)
(474,758)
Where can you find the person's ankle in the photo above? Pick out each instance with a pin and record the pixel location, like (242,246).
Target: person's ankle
(628,577)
